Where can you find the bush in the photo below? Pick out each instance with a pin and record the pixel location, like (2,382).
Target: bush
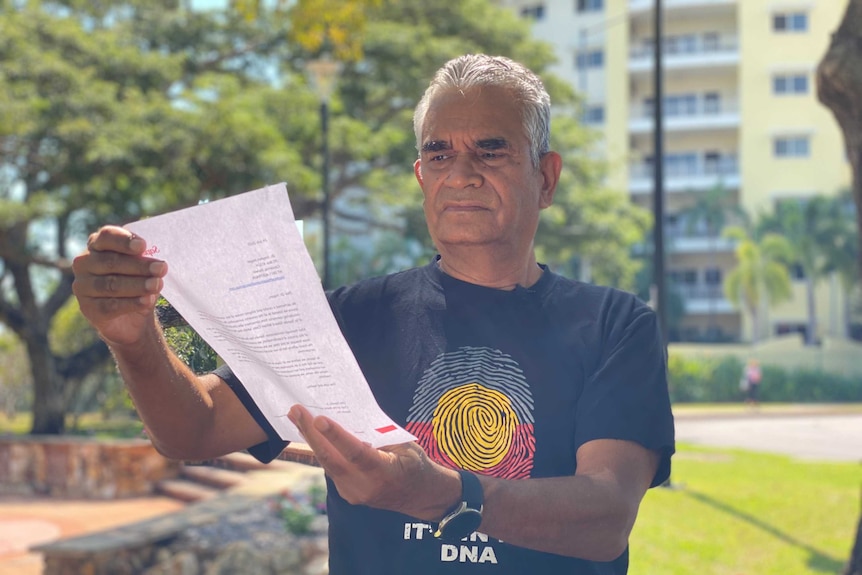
(716,380)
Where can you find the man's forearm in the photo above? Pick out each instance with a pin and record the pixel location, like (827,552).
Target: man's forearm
(173,403)
(573,516)
(588,515)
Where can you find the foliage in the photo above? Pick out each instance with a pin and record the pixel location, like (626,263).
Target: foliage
(191,349)
(819,233)
(730,512)
(761,276)
(110,112)
(709,380)
(15,383)
(298,510)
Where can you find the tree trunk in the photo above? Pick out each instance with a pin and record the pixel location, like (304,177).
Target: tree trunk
(49,397)
(811,330)
(839,88)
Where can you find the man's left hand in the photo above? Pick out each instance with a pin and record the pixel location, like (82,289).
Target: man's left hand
(399,478)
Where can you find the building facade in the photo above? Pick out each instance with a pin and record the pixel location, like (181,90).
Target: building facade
(743,129)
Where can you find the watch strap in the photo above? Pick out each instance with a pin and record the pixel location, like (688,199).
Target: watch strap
(471,490)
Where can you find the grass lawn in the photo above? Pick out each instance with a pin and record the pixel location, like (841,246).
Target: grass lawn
(731,512)
(89,424)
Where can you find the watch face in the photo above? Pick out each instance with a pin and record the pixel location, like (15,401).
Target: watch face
(462,524)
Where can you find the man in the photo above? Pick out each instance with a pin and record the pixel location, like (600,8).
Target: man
(540,404)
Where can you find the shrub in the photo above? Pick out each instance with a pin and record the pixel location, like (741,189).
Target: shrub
(711,380)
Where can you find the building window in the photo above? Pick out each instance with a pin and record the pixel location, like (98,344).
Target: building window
(593,115)
(589,5)
(712,103)
(712,276)
(536,12)
(783,84)
(589,59)
(792,147)
(790,22)
(681,105)
(711,42)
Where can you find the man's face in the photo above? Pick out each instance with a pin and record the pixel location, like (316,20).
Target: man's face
(479,184)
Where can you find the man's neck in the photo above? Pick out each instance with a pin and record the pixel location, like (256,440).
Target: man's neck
(481,267)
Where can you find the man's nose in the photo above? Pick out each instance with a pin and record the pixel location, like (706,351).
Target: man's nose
(464,172)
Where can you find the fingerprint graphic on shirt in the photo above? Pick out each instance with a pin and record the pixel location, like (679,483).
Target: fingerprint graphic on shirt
(473,409)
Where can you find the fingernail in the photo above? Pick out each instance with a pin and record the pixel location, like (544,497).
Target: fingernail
(322,424)
(291,415)
(152,284)
(148,300)
(158,268)
(136,244)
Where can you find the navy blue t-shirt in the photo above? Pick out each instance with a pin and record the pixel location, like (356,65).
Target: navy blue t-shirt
(504,383)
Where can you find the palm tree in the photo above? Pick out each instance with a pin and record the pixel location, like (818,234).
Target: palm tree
(761,276)
(810,226)
(842,250)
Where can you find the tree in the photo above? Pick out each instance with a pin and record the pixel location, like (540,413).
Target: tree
(812,227)
(842,250)
(760,277)
(107,115)
(110,112)
(839,87)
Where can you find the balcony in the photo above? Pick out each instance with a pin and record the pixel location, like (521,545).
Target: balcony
(683,241)
(689,52)
(694,174)
(642,7)
(697,114)
(702,298)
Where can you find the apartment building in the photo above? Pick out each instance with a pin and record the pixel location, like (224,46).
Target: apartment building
(742,125)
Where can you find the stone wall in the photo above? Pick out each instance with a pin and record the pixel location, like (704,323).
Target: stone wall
(78,467)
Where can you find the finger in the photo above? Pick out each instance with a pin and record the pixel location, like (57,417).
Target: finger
(116,239)
(357,453)
(337,451)
(109,308)
(119,285)
(109,262)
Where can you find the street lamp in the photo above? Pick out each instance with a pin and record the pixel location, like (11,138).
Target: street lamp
(324,72)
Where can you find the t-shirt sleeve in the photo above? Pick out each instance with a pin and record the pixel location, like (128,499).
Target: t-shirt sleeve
(627,396)
(273,446)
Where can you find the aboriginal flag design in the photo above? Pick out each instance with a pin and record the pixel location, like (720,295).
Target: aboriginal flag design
(473,409)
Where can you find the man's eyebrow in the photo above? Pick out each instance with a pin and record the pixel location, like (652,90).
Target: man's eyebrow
(492,144)
(436,146)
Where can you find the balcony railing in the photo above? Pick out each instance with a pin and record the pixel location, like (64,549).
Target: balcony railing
(698,291)
(695,108)
(724,166)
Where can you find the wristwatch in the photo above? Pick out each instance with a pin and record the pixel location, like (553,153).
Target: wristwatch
(466,516)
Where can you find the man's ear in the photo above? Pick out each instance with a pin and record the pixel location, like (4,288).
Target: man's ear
(417,171)
(550,165)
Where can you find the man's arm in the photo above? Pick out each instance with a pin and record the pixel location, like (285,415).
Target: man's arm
(588,515)
(186,416)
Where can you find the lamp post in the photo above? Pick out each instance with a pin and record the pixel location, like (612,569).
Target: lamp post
(323,72)
(658,175)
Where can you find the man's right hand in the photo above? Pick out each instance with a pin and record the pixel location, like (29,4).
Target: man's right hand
(117,286)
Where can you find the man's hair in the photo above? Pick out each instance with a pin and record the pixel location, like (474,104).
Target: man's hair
(476,70)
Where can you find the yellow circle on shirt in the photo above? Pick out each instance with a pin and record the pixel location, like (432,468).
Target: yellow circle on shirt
(474,426)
